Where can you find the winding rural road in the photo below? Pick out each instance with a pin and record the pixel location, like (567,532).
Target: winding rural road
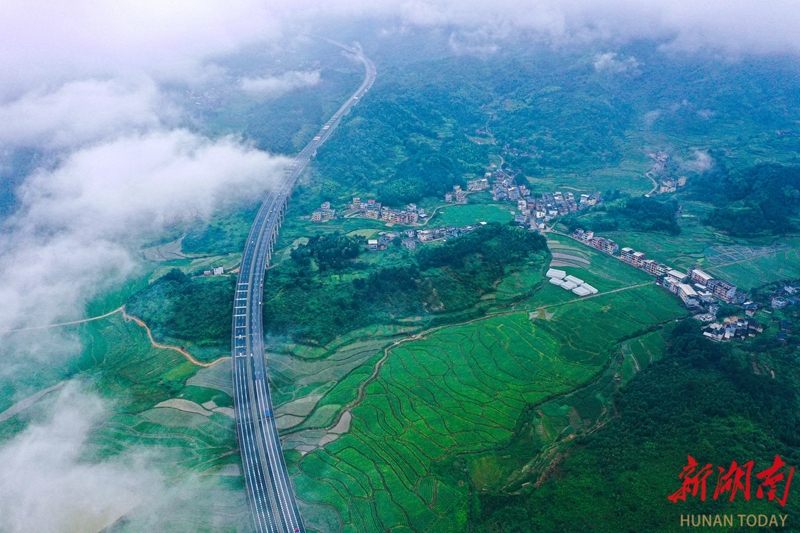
(269,487)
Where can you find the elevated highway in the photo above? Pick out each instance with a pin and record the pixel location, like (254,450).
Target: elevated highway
(269,487)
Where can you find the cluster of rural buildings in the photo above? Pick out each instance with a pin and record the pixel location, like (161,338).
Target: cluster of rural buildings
(695,287)
(698,290)
(780,298)
(733,327)
(516,152)
(601,243)
(736,327)
(459,196)
(535,211)
(411,214)
(666,184)
(532,211)
(570,283)
(412,237)
(784,297)
(538,211)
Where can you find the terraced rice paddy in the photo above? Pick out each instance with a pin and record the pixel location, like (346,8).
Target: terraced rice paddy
(640,352)
(748,267)
(679,251)
(166,412)
(176,411)
(456,392)
(391,438)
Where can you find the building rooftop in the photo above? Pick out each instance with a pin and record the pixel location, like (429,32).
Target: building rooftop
(554,273)
(589,288)
(702,275)
(582,291)
(687,289)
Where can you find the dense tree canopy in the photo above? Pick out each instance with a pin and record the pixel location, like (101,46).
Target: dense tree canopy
(638,213)
(181,307)
(699,399)
(440,279)
(335,251)
(763,199)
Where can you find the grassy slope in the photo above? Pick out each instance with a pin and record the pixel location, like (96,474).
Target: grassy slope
(136,376)
(459,390)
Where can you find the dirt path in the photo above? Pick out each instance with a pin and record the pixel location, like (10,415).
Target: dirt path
(363,387)
(419,336)
(655,184)
(127,317)
(178,349)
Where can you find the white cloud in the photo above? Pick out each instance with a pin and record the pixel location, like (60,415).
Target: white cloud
(58,40)
(478,43)
(424,13)
(80,223)
(651,117)
(50,482)
(54,40)
(45,487)
(608,62)
(745,26)
(701,162)
(275,86)
(80,112)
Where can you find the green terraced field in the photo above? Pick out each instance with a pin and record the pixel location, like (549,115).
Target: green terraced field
(547,429)
(750,273)
(193,449)
(627,176)
(679,251)
(518,284)
(458,391)
(589,328)
(128,368)
(137,376)
(640,352)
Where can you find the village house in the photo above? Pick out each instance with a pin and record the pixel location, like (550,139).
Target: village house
(733,327)
(410,244)
(722,290)
(214,271)
(323,213)
(374,210)
(478,184)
